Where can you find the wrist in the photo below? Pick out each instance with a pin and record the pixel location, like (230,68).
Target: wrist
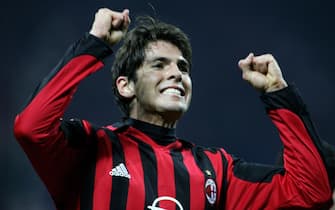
(97,34)
(278,85)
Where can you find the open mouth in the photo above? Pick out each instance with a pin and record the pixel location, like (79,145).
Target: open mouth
(173,91)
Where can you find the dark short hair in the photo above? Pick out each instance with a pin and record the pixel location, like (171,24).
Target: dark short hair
(131,54)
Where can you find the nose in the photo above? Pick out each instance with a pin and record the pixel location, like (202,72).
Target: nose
(174,72)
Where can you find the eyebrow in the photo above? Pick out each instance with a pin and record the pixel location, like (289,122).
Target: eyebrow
(181,60)
(154,59)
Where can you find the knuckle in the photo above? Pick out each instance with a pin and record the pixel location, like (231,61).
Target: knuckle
(118,15)
(270,56)
(103,10)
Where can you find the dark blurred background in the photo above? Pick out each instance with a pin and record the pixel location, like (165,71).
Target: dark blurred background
(225,111)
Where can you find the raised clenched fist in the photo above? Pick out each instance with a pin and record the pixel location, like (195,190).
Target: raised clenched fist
(262,72)
(110,25)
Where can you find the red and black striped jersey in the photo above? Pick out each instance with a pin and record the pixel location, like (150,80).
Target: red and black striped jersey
(122,167)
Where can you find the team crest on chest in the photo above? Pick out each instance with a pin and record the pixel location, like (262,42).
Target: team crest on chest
(210,190)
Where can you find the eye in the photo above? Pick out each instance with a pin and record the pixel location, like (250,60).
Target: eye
(183,67)
(158,65)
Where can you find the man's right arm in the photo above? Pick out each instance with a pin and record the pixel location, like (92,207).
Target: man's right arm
(39,128)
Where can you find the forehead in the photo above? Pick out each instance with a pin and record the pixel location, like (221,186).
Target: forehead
(162,48)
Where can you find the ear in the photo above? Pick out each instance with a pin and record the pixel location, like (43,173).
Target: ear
(125,87)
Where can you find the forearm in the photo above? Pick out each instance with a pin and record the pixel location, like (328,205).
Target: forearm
(44,137)
(303,155)
(301,183)
(48,103)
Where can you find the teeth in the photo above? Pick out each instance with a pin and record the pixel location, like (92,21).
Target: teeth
(172,91)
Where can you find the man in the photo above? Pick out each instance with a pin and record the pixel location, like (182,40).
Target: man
(140,163)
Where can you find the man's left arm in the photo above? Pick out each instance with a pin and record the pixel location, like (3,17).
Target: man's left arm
(264,74)
(304,179)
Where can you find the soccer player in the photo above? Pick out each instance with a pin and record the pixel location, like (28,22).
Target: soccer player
(139,163)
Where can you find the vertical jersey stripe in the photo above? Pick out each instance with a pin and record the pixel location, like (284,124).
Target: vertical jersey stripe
(136,193)
(118,197)
(207,169)
(216,160)
(182,179)
(166,182)
(103,181)
(86,197)
(197,181)
(149,165)
(224,184)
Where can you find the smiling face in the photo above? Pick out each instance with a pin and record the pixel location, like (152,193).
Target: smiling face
(163,87)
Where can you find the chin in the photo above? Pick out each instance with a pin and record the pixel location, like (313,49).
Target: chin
(173,107)
(174,112)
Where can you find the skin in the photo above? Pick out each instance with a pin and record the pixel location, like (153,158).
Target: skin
(162,92)
(110,25)
(164,67)
(262,72)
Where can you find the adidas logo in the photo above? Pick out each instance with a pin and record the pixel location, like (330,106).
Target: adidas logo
(120,170)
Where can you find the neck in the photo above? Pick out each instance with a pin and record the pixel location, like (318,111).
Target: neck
(159,134)
(166,120)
